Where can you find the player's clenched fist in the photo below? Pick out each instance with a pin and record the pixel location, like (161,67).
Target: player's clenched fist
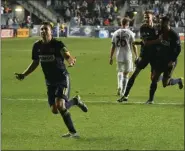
(71,61)
(111,61)
(19,76)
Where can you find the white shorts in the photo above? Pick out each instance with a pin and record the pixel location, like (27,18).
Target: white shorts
(126,66)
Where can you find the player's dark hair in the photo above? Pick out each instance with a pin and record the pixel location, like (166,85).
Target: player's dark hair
(165,19)
(125,21)
(47,24)
(147,12)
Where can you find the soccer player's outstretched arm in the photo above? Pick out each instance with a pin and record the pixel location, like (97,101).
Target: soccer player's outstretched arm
(30,69)
(71,60)
(113,47)
(32,66)
(66,54)
(132,43)
(112,53)
(135,51)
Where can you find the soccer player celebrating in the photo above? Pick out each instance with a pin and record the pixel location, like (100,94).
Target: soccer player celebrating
(122,42)
(148,32)
(50,53)
(168,50)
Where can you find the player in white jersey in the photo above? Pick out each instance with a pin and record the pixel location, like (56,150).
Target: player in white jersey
(122,42)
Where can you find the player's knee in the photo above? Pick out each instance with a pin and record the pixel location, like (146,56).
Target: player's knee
(154,79)
(60,104)
(54,109)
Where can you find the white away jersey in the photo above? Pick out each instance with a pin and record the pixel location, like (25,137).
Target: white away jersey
(123,39)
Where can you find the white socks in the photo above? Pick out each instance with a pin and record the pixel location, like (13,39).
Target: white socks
(124,86)
(120,80)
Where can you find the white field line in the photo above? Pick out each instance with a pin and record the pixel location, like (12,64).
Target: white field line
(106,102)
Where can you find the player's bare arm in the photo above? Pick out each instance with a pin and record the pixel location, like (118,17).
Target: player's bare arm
(71,60)
(30,69)
(137,43)
(113,47)
(135,51)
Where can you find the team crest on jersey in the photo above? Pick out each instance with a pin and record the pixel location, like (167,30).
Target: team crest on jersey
(47,58)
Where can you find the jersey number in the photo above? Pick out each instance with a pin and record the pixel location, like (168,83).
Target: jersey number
(121,42)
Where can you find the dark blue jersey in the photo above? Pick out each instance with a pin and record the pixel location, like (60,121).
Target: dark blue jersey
(51,59)
(170,46)
(148,33)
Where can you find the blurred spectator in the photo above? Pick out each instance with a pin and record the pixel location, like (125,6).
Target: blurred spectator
(183,18)
(48,3)
(9,22)
(28,20)
(176,19)
(106,22)
(109,7)
(67,15)
(8,10)
(2,10)
(15,20)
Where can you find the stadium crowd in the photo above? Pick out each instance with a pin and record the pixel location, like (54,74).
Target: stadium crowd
(102,12)
(88,12)
(174,9)
(106,12)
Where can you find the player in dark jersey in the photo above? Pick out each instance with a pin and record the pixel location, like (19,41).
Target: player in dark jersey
(148,32)
(50,53)
(168,49)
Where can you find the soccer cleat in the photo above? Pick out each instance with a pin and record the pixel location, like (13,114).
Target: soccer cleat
(123,99)
(71,135)
(119,92)
(149,102)
(180,83)
(80,104)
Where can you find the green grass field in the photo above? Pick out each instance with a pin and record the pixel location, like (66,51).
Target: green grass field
(28,124)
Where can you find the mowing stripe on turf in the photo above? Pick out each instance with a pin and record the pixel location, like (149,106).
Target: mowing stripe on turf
(106,102)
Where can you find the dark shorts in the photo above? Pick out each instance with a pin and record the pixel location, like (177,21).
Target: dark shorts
(145,54)
(163,68)
(142,63)
(58,90)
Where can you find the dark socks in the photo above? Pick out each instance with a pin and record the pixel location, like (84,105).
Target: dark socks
(68,121)
(153,88)
(69,103)
(129,85)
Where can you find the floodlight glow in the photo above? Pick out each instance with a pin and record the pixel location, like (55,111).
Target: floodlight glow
(18,9)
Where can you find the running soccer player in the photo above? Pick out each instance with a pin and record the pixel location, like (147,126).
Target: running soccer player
(122,42)
(168,50)
(148,32)
(50,53)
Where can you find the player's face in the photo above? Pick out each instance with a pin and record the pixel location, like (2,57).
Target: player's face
(45,31)
(149,18)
